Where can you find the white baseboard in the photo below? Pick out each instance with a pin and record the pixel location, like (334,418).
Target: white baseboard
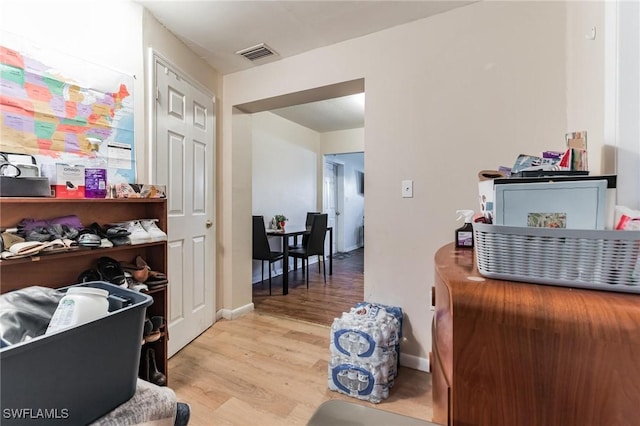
(412,361)
(234,313)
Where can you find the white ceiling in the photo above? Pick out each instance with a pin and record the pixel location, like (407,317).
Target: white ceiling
(330,115)
(216,29)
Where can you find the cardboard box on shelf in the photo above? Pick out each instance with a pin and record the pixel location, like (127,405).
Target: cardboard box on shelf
(67,181)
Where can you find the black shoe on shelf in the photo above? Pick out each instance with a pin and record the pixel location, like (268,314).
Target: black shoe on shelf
(111,271)
(95,228)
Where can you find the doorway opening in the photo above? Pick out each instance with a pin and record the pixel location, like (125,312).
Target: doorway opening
(280,135)
(343,200)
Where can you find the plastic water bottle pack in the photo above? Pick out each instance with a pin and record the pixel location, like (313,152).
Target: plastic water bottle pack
(365,348)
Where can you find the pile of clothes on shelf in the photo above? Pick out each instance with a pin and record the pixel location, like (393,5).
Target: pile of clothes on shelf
(36,236)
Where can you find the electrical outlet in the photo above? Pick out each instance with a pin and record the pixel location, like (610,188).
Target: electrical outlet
(407,189)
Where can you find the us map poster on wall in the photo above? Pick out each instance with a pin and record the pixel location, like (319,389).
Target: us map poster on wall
(62,109)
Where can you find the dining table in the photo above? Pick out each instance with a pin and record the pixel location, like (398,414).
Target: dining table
(294,232)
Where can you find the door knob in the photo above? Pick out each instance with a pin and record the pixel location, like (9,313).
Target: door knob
(209,224)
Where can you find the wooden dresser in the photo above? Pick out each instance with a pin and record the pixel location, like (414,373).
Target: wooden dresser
(514,354)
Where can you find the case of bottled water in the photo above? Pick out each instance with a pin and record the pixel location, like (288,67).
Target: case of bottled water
(365,351)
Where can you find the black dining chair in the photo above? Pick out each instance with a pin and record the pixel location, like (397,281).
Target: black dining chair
(261,249)
(309,219)
(307,224)
(314,246)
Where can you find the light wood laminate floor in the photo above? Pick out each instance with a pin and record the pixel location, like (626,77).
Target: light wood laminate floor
(267,370)
(270,367)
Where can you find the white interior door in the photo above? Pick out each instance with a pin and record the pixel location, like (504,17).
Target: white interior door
(184,154)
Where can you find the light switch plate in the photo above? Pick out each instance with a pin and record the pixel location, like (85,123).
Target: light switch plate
(407,189)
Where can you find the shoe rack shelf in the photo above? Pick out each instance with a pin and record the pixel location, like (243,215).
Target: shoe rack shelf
(62,269)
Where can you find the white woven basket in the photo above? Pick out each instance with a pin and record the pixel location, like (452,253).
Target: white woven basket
(602,260)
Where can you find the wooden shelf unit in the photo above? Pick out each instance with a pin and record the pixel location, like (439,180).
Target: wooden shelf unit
(62,269)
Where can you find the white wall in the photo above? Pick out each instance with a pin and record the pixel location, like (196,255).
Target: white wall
(284,167)
(446,97)
(342,141)
(585,65)
(158,40)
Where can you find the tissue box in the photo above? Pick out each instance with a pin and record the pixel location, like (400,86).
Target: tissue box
(79,374)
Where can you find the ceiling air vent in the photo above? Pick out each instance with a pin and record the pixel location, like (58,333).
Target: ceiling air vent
(256,52)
